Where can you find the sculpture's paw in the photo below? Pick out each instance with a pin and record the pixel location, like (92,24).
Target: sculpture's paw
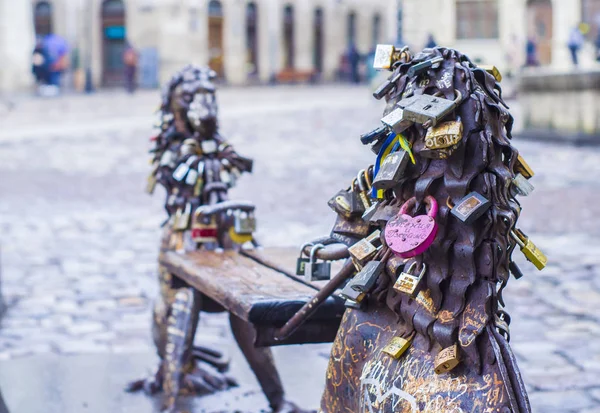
(289,407)
(205,379)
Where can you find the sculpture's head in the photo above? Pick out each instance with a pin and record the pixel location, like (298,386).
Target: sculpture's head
(190,96)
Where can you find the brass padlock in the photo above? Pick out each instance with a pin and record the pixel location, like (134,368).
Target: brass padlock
(447,359)
(363,189)
(365,249)
(397,347)
(443,139)
(349,293)
(408,283)
(529,249)
(391,170)
(182,218)
(471,207)
(522,167)
(199,180)
(365,280)
(428,109)
(521,186)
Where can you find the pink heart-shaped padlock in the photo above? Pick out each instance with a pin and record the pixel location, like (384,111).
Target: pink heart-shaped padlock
(409,236)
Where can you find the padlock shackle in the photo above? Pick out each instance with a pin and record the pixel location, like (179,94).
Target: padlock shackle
(430,202)
(313,252)
(361,180)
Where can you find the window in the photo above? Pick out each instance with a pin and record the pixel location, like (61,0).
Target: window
(376,29)
(477,19)
(352,28)
(288,36)
(215,9)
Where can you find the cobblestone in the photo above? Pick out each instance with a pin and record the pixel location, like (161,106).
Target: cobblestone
(79,239)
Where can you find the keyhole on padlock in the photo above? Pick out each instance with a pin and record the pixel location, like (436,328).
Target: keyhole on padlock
(427,107)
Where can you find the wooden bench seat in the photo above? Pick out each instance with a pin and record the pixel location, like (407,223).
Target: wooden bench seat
(258,294)
(295,76)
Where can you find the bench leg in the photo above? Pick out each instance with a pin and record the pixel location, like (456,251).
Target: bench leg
(263,365)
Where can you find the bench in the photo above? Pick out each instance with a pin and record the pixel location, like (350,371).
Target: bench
(296,76)
(265,297)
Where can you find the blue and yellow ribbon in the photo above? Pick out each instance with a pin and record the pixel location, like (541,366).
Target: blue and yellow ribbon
(391,144)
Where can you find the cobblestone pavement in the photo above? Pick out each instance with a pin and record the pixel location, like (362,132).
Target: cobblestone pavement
(79,237)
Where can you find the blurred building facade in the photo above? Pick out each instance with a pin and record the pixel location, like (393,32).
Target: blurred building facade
(244,41)
(496,31)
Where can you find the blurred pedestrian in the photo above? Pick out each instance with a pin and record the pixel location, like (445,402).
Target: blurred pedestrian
(57,49)
(430,42)
(354,61)
(130,60)
(575,43)
(40,64)
(531,53)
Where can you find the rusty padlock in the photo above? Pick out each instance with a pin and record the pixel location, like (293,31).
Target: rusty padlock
(409,236)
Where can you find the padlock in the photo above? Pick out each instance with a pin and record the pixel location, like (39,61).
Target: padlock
(447,359)
(471,207)
(384,214)
(151,183)
(192,177)
(355,305)
(374,135)
(239,239)
(387,86)
(204,228)
(363,189)
(492,70)
(317,271)
(365,249)
(209,146)
(365,280)
(347,203)
(397,347)
(182,218)
(408,283)
(370,212)
(397,120)
(302,261)
(523,168)
(422,67)
(225,176)
(529,249)
(349,293)
(521,186)
(515,270)
(199,180)
(442,140)
(391,170)
(182,170)
(355,228)
(409,236)
(167,159)
(384,57)
(244,222)
(428,109)
(189,147)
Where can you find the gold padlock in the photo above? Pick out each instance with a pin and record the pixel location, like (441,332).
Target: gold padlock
(182,218)
(529,249)
(408,283)
(523,168)
(151,183)
(446,360)
(397,347)
(444,135)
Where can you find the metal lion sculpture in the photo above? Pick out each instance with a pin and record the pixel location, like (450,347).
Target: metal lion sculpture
(196,166)
(431,229)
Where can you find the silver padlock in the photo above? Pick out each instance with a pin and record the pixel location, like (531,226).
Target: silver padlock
(428,109)
(244,222)
(391,170)
(317,271)
(521,186)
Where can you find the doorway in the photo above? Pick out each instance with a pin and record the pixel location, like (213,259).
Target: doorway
(288,37)
(113,43)
(540,28)
(215,37)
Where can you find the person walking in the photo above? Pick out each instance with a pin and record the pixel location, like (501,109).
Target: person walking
(575,43)
(531,53)
(354,61)
(57,50)
(130,60)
